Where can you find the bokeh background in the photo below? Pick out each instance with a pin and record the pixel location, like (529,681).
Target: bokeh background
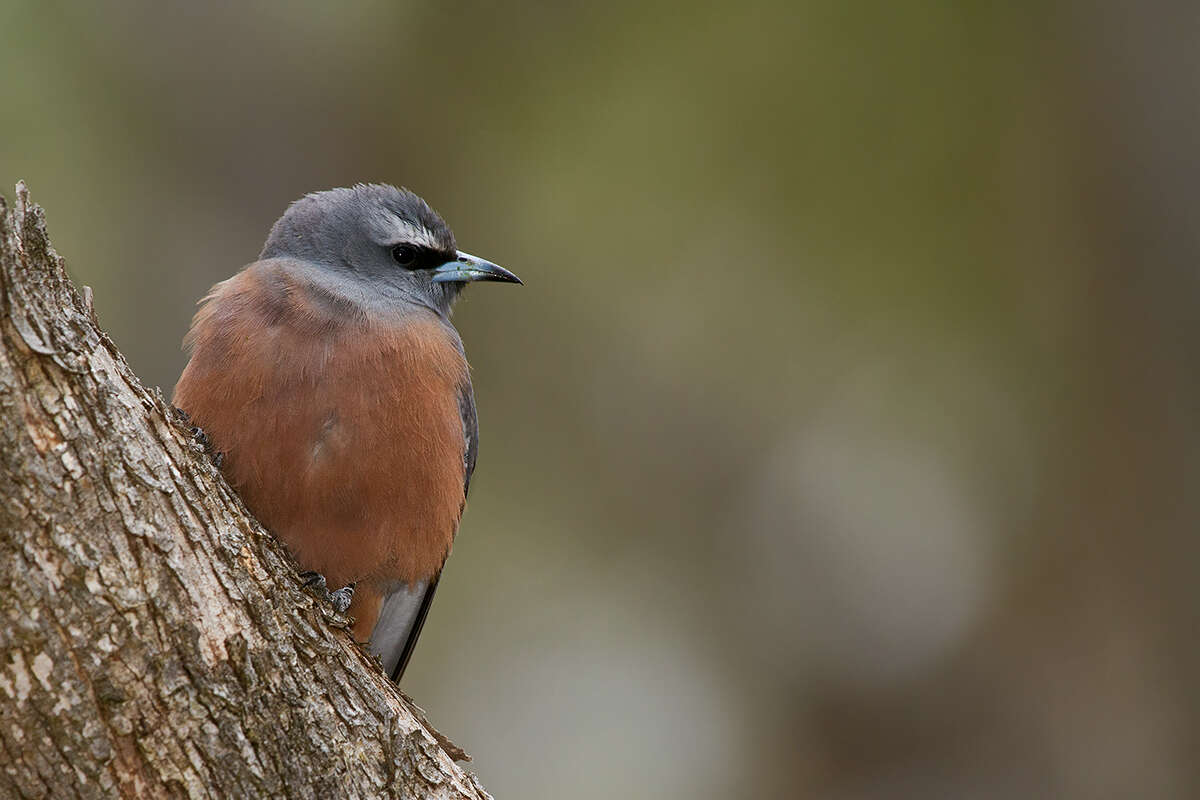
(842,442)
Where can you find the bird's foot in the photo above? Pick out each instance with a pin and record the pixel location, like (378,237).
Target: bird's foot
(339,599)
(314,580)
(217,458)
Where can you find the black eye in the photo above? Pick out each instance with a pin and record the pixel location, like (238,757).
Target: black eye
(405,255)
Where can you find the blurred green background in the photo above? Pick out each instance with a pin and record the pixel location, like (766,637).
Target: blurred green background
(842,440)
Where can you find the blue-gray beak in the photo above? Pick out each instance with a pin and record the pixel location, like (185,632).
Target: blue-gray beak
(467,268)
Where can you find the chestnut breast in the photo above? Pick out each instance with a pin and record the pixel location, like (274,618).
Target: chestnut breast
(340,427)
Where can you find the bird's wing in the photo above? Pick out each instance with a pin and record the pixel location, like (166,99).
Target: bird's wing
(400,620)
(405,608)
(470,423)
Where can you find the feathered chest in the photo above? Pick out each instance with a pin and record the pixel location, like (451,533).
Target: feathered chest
(335,423)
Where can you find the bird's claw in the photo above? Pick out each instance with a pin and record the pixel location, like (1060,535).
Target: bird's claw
(339,599)
(202,439)
(200,436)
(314,580)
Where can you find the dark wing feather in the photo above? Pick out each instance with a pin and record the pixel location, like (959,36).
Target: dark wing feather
(466,407)
(398,614)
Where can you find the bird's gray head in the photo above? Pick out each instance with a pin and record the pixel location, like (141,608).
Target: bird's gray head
(377,241)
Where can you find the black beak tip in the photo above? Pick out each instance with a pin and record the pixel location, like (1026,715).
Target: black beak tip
(501,275)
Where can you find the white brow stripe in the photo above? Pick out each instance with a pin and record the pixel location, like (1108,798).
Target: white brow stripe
(415,234)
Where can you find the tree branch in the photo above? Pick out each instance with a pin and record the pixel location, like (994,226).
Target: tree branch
(155,641)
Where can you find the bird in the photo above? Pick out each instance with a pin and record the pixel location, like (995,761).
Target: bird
(329,380)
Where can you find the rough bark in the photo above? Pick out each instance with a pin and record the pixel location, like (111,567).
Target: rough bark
(155,641)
